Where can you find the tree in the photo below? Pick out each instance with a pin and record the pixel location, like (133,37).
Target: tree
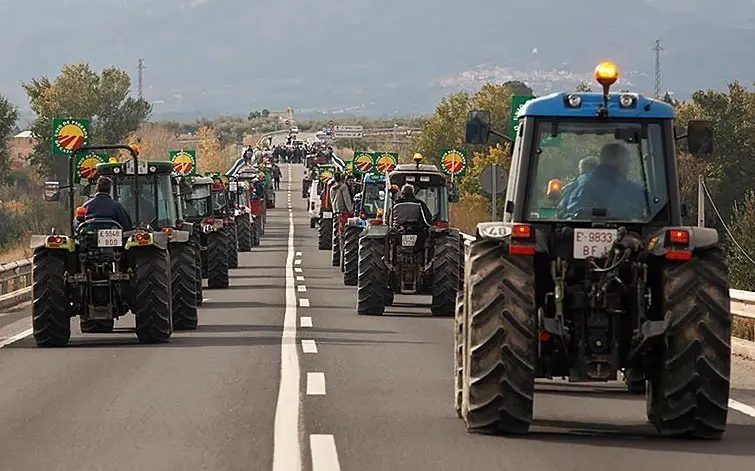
(583,87)
(209,153)
(8,118)
(741,269)
(265,113)
(80,92)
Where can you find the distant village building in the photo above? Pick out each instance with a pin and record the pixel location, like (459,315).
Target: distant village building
(283,115)
(20,147)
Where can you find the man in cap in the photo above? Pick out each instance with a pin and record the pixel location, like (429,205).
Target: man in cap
(103,206)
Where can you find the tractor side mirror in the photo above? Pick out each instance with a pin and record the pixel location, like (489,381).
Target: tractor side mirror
(700,137)
(478,127)
(52,191)
(453,195)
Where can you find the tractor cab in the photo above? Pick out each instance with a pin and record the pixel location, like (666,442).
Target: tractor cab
(430,186)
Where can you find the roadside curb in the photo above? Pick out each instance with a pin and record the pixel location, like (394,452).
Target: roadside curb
(743,348)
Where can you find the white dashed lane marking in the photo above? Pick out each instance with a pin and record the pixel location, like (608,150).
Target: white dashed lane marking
(308,346)
(324,453)
(304,302)
(315,384)
(306,322)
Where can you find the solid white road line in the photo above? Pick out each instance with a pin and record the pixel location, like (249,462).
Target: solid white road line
(324,453)
(286,446)
(308,346)
(306,322)
(16,338)
(743,408)
(315,384)
(302,288)
(304,302)
(297,270)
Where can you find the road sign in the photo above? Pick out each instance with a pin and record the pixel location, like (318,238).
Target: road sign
(68,135)
(494,179)
(350,128)
(349,134)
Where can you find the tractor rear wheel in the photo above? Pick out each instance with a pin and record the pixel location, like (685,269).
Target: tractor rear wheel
(372,279)
(351,255)
(446,270)
(245,233)
(217,260)
(151,295)
(51,308)
(500,340)
(689,395)
(325,234)
(183,286)
(233,246)
(335,244)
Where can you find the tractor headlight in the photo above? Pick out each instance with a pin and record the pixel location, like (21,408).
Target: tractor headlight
(574,100)
(626,101)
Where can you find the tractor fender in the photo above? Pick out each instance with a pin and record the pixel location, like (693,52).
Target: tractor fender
(501,231)
(39,241)
(180,236)
(375,232)
(186,226)
(157,239)
(699,238)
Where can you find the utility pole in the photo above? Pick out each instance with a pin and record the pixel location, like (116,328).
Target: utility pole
(141,78)
(657,50)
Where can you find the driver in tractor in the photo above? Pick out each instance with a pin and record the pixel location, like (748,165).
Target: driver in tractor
(608,187)
(103,206)
(410,211)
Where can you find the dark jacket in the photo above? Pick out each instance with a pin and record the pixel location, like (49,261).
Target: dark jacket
(104,207)
(411,210)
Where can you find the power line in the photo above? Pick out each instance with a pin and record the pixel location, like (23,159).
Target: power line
(726,228)
(140,67)
(657,50)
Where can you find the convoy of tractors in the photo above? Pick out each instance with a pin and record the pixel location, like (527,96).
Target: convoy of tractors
(588,276)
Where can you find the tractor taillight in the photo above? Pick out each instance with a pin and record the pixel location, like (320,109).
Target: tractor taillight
(521,231)
(677,236)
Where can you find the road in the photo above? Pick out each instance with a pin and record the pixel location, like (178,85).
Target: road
(282,374)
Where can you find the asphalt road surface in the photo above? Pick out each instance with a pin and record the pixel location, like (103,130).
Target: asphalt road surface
(282,374)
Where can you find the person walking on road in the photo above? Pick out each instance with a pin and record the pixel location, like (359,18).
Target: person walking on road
(276,177)
(343,205)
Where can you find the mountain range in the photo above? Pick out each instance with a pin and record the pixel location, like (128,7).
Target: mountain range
(371,57)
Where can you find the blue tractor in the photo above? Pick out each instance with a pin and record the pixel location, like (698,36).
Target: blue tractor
(367,204)
(597,277)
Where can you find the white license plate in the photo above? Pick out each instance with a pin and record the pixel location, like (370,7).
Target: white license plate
(408,240)
(327,215)
(593,242)
(109,238)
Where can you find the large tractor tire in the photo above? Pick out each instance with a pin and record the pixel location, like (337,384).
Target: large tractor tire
(151,300)
(51,308)
(458,353)
(446,270)
(634,381)
(256,231)
(217,260)
(325,234)
(372,280)
(500,340)
(183,286)
(245,233)
(233,246)
(351,255)
(312,223)
(689,395)
(335,244)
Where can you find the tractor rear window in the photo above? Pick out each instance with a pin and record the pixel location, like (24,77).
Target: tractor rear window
(597,170)
(159,211)
(373,197)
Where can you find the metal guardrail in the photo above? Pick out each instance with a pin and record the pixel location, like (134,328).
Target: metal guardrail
(15,283)
(742,302)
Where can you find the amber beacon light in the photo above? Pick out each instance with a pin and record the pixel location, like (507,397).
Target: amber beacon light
(606,73)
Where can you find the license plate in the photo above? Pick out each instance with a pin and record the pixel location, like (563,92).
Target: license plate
(109,238)
(593,242)
(408,240)
(327,215)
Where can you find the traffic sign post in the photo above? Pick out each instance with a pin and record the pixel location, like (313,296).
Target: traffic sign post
(349,132)
(494,179)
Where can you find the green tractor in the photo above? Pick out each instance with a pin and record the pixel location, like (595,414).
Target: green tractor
(240,199)
(158,209)
(183,192)
(213,236)
(222,209)
(269,191)
(100,271)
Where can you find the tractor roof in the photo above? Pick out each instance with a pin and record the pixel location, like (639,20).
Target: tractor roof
(418,175)
(126,168)
(556,104)
(414,168)
(372,178)
(201,181)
